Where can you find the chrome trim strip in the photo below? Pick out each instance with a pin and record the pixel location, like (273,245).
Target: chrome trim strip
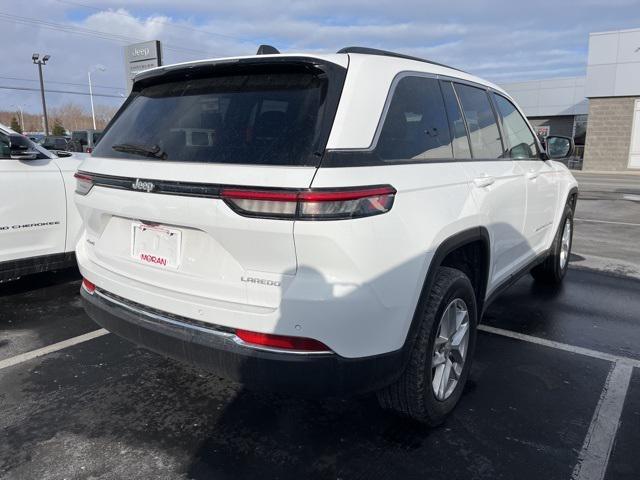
(213,331)
(161,318)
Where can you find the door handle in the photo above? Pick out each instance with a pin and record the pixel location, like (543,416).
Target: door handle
(532,174)
(484,181)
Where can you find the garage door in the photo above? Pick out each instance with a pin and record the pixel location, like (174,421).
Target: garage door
(634,151)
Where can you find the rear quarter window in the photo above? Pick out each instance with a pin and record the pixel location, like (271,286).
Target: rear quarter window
(415,126)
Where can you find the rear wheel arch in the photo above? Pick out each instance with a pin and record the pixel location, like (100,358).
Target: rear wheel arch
(455,252)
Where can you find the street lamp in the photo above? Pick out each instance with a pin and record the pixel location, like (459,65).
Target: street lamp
(19,107)
(40,62)
(93,69)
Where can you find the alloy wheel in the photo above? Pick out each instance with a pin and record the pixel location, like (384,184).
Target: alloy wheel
(565,244)
(450,349)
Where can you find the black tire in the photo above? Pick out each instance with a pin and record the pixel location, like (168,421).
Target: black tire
(412,395)
(552,271)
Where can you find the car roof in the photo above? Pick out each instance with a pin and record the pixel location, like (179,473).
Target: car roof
(393,60)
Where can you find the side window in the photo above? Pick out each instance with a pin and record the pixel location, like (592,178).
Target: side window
(519,138)
(483,130)
(5,146)
(456,122)
(415,127)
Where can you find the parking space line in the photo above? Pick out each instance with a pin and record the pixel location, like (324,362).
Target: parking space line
(608,222)
(23,357)
(561,346)
(596,449)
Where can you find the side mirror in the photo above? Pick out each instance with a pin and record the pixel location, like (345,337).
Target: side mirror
(20,151)
(24,155)
(559,147)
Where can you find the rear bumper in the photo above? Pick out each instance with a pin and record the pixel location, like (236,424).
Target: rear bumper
(219,351)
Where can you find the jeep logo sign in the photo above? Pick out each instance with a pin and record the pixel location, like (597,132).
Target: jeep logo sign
(144,186)
(140,57)
(140,52)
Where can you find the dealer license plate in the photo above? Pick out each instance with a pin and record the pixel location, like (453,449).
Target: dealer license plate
(156,245)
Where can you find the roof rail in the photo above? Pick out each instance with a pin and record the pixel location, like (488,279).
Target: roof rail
(385,53)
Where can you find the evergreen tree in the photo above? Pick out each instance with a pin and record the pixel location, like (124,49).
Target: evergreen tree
(15,125)
(58,129)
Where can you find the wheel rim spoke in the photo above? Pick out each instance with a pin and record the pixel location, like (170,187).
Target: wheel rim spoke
(565,243)
(437,379)
(444,380)
(460,336)
(453,320)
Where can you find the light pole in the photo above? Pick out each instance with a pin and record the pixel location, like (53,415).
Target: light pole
(93,112)
(40,62)
(19,107)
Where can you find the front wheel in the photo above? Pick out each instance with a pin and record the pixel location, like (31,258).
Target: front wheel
(438,368)
(554,268)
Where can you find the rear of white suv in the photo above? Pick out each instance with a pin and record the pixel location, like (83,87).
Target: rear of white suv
(286,222)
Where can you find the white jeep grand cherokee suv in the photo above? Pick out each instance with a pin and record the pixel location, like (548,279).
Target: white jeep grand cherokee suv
(319,224)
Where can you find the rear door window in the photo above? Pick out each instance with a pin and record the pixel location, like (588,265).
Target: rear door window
(518,136)
(264,117)
(456,123)
(416,126)
(481,122)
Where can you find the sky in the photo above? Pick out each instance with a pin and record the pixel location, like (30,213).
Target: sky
(500,40)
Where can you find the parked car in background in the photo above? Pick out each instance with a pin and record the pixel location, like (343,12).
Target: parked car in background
(39,225)
(339,225)
(36,137)
(84,140)
(55,142)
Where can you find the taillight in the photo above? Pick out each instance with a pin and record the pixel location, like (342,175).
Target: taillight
(88,286)
(89,150)
(84,183)
(282,341)
(312,204)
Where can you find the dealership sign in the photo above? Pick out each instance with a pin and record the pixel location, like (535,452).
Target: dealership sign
(139,57)
(543,130)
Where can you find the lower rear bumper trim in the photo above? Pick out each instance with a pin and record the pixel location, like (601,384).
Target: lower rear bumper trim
(222,352)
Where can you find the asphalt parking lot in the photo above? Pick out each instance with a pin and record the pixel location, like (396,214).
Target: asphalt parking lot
(554,391)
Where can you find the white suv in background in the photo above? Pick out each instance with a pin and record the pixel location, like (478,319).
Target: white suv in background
(319,224)
(39,223)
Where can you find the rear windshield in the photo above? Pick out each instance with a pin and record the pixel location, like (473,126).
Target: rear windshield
(268,117)
(79,137)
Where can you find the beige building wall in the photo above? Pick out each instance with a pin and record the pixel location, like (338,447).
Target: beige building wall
(609,133)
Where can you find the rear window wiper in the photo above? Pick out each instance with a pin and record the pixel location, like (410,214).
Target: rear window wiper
(145,150)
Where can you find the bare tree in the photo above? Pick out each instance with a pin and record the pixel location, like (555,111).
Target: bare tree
(71,115)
